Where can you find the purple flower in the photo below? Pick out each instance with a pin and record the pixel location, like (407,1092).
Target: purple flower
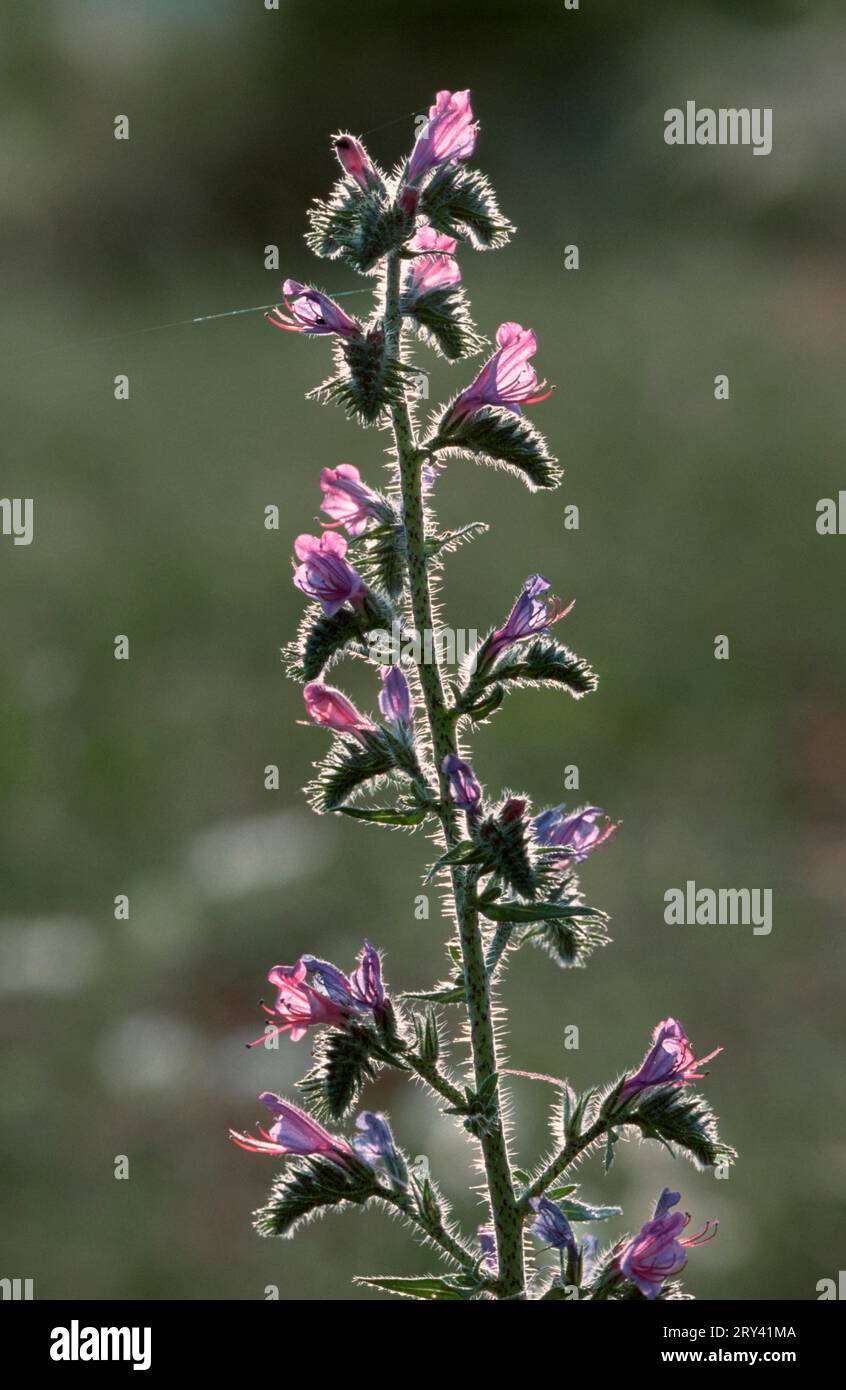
(347,499)
(293,1133)
(375,1145)
(366,979)
(324,574)
(507,378)
(333,1000)
(331,709)
(669,1062)
(577,835)
(464,789)
(449,134)
(551,1225)
(534,611)
(487,1245)
(658,1251)
(313,313)
(395,696)
(356,162)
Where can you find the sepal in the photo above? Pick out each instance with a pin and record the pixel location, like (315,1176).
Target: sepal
(369,379)
(461,202)
(501,437)
(443,322)
(309,1185)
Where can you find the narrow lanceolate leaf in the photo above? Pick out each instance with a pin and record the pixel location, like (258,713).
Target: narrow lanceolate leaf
(342,1066)
(440,1287)
(569,941)
(369,380)
(443,322)
(461,203)
(387,815)
(357,227)
(323,640)
(546,662)
(308,1185)
(498,436)
(346,769)
(451,992)
(539,912)
(447,541)
(686,1122)
(383,558)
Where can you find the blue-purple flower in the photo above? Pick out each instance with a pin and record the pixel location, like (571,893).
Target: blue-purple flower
(658,1251)
(375,1145)
(576,835)
(534,612)
(463,787)
(669,1062)
(551,1225)
(395,696)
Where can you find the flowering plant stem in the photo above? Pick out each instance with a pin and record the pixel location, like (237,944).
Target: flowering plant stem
(507,1221)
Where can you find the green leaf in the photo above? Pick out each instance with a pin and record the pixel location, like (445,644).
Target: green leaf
(443,321)
(498,436)
(460,202)
(465,852)
(346,768)
(685,1122)
(545,662)
(343,1064)
(309,1184)
(557,1194)
(368,379)
(355,226)
(447,541)
(427,1036)
(322,640)
(387,815)
(539,912)
(441,1287)
(585,1211)
(449,993)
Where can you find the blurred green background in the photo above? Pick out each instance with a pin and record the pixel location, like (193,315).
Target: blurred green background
(697,518)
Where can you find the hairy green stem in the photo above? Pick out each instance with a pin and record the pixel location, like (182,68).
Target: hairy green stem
(507,1221)
(560,1164)
(441,1237)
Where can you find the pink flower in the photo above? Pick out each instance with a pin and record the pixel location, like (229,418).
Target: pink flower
(347,499)
(507,379)
(449,134)
(298,1004)
(324,573)
(332,1001)
(329,708)
(431,273)
(311,312)
(293,1133)
(577,834)
(356,162)
(658,1251)
(669,1062)
(427,239)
